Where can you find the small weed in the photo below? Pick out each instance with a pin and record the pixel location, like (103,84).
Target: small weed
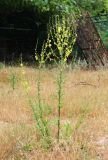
(84,151)
(66,130)
(13,80)
(2,65)
(27,147)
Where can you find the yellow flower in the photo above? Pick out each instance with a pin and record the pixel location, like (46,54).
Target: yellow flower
(21,64)
(36,57)
(49,45)
(65,59)
(59,29)
(60,49)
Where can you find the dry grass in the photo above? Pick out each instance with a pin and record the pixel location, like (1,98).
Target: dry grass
(85,93)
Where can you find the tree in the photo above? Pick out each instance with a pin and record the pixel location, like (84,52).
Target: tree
(56,6)
(95,7)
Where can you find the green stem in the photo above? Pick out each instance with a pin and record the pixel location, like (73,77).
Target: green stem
(40,105)
(39,90)
(60,81)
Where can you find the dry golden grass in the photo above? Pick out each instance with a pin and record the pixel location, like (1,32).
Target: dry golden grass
(85,94)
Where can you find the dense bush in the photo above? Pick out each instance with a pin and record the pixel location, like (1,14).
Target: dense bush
(95,7)
(35,15)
